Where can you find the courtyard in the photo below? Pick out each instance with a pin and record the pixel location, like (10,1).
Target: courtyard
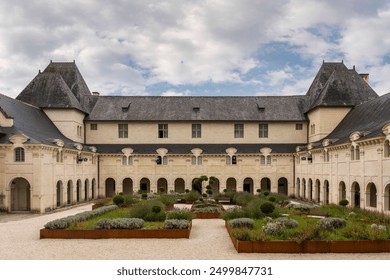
(209,240)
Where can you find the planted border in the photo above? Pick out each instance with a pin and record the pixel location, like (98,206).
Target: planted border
(115,233)
(309,246)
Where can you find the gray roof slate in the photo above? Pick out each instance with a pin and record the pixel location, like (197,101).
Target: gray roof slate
(195,108)
(369,117)
(30,121)
(337,86)
(60,85)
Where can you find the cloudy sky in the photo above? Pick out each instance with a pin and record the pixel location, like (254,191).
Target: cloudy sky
(199,47)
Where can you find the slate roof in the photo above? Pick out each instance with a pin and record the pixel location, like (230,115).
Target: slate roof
(368,118)
(30,121)
(179,149)
(210,108)
(337,86)
(60,85)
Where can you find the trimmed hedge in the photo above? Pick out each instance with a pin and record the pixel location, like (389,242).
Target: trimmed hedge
(242,223)
(64,223)
(176,224)
(120,223)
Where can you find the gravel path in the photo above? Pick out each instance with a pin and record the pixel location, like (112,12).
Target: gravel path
(209,240)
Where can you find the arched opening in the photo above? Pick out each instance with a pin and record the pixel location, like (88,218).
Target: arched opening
(231,185)
(265,184)
(144,185)
(310,189)
(78,191)
(93,188)
(162,185)
(110,187)
(215,186)
(59,191)
(69,192)
(326,192)
(179,185)
(371,195)
(86,189)
(20,195)
(283,186)
(387,198)
(127,186)
(317,192)
(298,189)
(342,191)
(303,188)
(355,195)
(248,185)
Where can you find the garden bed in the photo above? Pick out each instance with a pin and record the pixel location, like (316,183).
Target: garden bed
(309,246)
(114,233)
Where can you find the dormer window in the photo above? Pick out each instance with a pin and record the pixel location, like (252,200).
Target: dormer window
(196,160)
(231,160)
(265,160)
(326,156)
(127,160)
(355,152)
(162,160)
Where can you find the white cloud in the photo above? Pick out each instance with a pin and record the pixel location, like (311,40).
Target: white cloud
(123,47)
(175,93)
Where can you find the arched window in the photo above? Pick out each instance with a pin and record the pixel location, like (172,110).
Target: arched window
(19,154)
(357,153)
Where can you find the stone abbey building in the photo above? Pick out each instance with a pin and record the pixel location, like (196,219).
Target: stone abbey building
(60,144)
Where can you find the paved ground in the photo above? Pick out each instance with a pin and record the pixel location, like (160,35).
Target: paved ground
(209,240)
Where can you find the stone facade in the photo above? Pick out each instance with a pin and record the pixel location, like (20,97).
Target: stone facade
(61,145)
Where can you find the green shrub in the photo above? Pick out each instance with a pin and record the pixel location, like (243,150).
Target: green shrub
(155,217)
(118,199)
(287,222)
(242,198)
(343,202)
(242,234)
(356,232)
(130,200)
(208,209)
(144,195)
(300,208)
(273,228)
(241,222)
(253,208)
(191,196)
(176,224)
(167,199)
(331,223)
(266,193)
(121,223)
(234,213)
(272,199)
(179,214)
(156,208)
(267,207)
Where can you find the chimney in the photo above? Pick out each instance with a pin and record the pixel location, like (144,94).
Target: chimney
(365,77)
(95,93)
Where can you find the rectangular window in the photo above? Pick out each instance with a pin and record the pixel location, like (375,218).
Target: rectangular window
(163,131)
(93,126)
(298,126)
(239,130)
(197,130)
(123,130)
(263,130)
(19,154)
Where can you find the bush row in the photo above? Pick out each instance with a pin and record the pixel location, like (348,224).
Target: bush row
(63,223)
(120,223)
(176,224)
